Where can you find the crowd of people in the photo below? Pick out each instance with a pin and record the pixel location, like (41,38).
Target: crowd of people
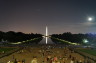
(50,54)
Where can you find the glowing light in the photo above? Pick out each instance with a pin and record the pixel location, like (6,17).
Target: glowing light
(46,34)
(85,41)
(16,43)
(46,40)
(46,31)
(90,19)
(23,41)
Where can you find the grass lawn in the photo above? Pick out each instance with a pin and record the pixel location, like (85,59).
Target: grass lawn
(6,49)
(89,51)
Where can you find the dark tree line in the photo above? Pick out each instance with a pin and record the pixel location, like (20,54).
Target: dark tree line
(76,38)
(12,36)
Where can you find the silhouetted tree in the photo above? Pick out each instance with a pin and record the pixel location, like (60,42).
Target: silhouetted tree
(76,38)
(12,36)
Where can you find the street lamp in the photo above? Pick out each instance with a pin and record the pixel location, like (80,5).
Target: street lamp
(85,41)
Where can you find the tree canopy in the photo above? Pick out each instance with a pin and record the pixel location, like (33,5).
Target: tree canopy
(12,36)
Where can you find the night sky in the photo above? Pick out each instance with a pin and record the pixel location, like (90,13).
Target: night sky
(59,15)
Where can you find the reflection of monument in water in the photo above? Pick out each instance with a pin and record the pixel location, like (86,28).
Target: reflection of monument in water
(46,38)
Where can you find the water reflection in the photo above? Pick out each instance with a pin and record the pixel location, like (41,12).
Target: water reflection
(46,40)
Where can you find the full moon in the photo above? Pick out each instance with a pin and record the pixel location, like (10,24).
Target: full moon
(90,19)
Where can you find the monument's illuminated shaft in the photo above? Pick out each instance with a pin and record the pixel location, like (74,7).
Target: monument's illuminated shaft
(46,34)
(46,31)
